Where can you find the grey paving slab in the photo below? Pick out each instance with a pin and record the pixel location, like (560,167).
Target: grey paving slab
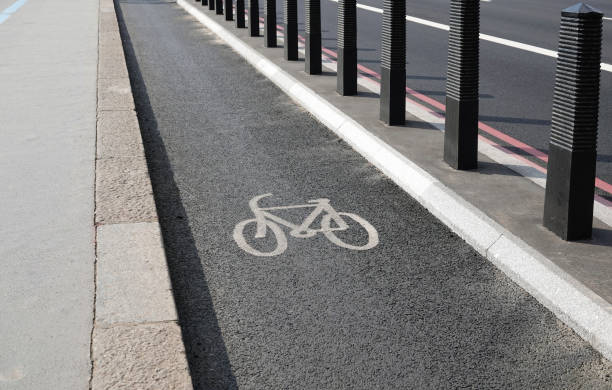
(115,94)
(112,66)
(123,191)
(420,310)
(48,110)
(149,356)
(110,50)
(110,38)
(118,135)
(133,284)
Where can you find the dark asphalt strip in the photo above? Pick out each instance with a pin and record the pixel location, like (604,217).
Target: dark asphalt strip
(420,310)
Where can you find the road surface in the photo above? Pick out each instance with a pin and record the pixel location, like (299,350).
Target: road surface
(419,309)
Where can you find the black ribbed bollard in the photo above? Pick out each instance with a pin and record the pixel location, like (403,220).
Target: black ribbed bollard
(461,134)
(211,4)
(240,14)
(393,63)
(291,33)
(270,23)
(313,36)
(229,10)
(254,18)
(347,47)
(572,153)
(219,7)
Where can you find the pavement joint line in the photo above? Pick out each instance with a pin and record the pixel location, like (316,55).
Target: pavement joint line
(485,37)
(123,222)
(123,324)
(112,300)
(572,302)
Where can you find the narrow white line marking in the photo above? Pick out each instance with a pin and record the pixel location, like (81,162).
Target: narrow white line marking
(367,8)
(11,9)
(484,37)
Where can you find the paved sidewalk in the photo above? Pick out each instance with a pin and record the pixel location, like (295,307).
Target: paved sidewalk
(85,295)
(48,71)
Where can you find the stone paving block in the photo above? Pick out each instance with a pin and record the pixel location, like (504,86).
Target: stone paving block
(113,51)
(124,192)
(119,135)
(115,94)
(108,21)
(133,283)
(110,38)
(112,66)
(143,356)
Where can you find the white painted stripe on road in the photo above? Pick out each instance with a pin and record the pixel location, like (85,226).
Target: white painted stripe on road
(573,303)
(484,37)
(607,18)
(367,7)
(11,9)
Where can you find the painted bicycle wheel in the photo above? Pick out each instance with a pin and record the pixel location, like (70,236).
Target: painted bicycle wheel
(329,233)
(279,235)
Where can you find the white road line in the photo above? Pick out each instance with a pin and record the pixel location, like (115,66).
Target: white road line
(607,18)
(484,37)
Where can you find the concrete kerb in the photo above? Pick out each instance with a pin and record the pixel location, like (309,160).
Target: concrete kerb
(573,303)
(136,340)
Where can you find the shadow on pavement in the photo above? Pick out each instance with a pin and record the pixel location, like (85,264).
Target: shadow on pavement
(206,352)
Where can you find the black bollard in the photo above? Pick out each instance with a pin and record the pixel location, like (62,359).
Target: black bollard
(204,3)
(240,14)
(347,47)
(254,18)
(211,5)
(291,33)
(393,63)
(572,153)
(313,36)
(270,23)
(219,7)
(229,10)
(461,134)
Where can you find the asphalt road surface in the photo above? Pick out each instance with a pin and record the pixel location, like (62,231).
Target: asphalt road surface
(516,86)
(420,309)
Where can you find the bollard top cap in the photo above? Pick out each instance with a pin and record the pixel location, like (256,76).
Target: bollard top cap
(582,10)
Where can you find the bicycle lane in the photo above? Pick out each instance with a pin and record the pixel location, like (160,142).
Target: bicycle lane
(420,309)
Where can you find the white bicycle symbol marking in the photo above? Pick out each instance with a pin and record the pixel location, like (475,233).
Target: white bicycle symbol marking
(264,220)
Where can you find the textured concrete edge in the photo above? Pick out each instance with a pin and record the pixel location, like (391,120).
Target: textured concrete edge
(136,341)
(573,303)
